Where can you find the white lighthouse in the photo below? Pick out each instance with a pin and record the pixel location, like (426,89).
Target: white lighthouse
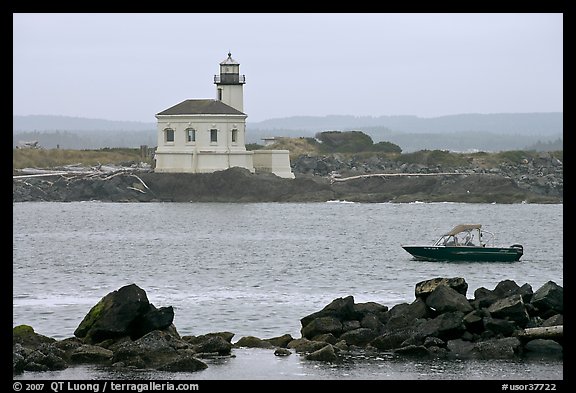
(208,135)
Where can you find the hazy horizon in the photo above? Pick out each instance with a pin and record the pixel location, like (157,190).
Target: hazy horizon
(293,116)
(128,67)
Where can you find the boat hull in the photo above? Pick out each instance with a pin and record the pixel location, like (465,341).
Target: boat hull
(465,253)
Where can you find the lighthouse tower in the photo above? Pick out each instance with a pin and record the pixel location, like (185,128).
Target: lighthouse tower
(229,84)
(209,135)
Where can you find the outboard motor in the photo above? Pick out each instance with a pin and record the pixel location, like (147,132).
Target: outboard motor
(518,247)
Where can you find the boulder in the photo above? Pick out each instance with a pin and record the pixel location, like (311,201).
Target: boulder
(425,288)
(280,341)
(28,338)
(303,345)
(549,299)
(508,288)
(157,350)
(445,299)
(499,326)
(511,308)
(253,342)
(445,326)
(324,354)
(91,354)
(327,324)
(340,308)
(122,313)
(403,315)
(503,348)
(543,348)
(359,337)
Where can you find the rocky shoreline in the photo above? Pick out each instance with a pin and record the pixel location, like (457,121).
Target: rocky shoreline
(125,330)
(318,179)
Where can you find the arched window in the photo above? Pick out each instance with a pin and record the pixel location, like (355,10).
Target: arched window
(168,135)
(190,134)
(234,135)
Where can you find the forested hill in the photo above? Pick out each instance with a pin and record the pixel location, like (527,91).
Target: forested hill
(507,123)
(67,123)
(463,132)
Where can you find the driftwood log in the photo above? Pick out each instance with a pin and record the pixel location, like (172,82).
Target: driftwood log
(548,333)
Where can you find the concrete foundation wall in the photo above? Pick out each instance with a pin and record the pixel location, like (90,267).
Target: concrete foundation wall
(273,161)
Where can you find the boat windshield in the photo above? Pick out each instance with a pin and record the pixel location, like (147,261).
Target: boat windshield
(464,238)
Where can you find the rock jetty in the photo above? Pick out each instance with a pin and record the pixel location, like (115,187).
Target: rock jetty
(508,322)
(318,179)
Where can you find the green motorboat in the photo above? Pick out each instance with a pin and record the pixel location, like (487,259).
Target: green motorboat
(466,242)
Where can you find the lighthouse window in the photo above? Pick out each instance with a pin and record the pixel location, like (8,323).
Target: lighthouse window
(213,135)
(234,136)
(169,135)
(219,94)
(190,135)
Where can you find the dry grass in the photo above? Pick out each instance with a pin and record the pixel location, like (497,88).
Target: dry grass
(50,158)
(296,146)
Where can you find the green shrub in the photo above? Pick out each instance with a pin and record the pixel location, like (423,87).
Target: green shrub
(344,142)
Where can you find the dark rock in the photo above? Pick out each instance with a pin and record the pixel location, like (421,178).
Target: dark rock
(507,288)
(68,345)
(324,354)
(511,308)
(483,298)
(359,337)
(307,346)
(425,288)
(434,341)
(280,341)
(460,349)
(227,336)
(474,321)
(253,342)
(341,309)
(48,357)
(326,337)
(445,326)
(549,298)
(372,322)
(403,315)
(370,308)
(543,348)
(350,325)
(500,326)
(438,352)
(503,348)
(114,314)
(554,320)
(213,344)
(328,324)
(19,356)
(467,336)
(92,354)
(157,349)
(32,366)
(282,352)
(391,340)
(183,363)
(418,351)
(154,319)
(28,338)
(445,299)
(341,346)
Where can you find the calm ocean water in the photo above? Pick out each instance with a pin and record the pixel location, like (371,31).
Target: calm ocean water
(257,269)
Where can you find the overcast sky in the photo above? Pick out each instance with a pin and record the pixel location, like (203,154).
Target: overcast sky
(132,66)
